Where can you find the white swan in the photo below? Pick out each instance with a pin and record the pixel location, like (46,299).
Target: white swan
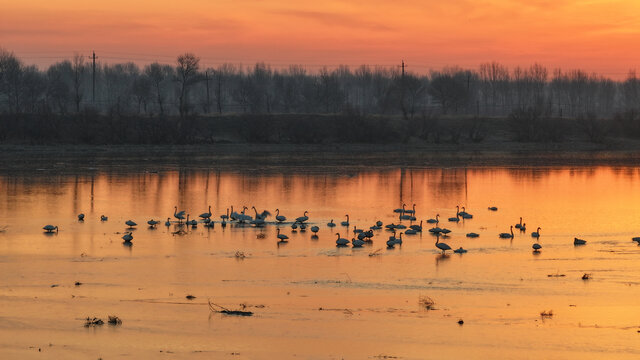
(280,218)
(50,228)
(341,241)
(206,215)
(536,234)
(303,218)
(331,223)
(315,229)
(577,241)
(282,237)
(357,242)
(507,235)
(519,225)
(127,237)
(345,223)
(536,247)
(178,214)
(442,246)
(434,221)
(153,223)
(168,222)
(80,217)
(103,218)
(130,223)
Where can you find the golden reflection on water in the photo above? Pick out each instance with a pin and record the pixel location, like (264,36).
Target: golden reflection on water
(370,303)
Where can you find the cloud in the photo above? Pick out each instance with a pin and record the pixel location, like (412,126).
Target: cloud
(336,19)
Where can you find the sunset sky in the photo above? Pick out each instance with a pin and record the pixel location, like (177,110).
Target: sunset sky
(596,35)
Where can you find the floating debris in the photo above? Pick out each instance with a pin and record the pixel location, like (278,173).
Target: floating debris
(375,253)
(546,314)
(261,236)
(89,322)
(78,283)
(114,320)
(556,275)
(221,309)
(240,255)
(426,302)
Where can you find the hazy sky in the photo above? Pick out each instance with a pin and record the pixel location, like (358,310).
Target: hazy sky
(597,35)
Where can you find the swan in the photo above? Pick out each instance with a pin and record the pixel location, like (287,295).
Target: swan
(345,223)
(536,247)
(302,218)
(411,232)
(391,226)
(507,235)
(636,239)
(279,217)
(492,208)
(168,222)
(263,215)
(435,230)
(375,227)
(417,228)
(103,218)
(442,246)
(130,223)
(341,241)
(460,250)
(80,217)
(362,235)
(357,242)
(379,223)
(206,215)
(434,221)
(193,223)
(472,235)
(391,243)
(457,218)
(399,240)
(401,211)
(445,231)
(303,227)
(315,229)
(400,226)
(405,217)
(519,225)
(523,227)
(294,226)
(412,211)
(536,234)
(153,223)
(282,237)
(392,237)
(368,235)
(178,214)
(331,223)
(225,216)
(356,230)
(50,228)
(577,241)
(127,237)
(465,214)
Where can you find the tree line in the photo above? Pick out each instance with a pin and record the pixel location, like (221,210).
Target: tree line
(186,88)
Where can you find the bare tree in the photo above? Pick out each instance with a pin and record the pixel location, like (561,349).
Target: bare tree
(78,72)
(158,74)
(186,75)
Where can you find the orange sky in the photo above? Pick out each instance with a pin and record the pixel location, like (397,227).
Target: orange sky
(597,35)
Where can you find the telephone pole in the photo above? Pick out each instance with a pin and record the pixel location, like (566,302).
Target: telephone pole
(206,77)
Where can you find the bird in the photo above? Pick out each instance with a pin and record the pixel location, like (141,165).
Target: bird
(303,227)
(282,237)
(412,211)
(345,223)
(331,223)
(130,223)
(507,235)
(434,221)
(536,234)
(80,217)
(445,231)
(357,242)
(519,225)
(103,218)
(577,241)
(294,226)
(536,247)
(411,232)
(417,228)
(435,230)
(492,208)
(303,218)
(178,214)
(442,246)
(315,229)
(127,237)
(460,250)
(457,218)
(50,228)
(279,217)
(206,215)
(341,241)
(465,214)
(523,227)
(356,230)
(472,235)
(401,211)
(225,216)
(263,215)
(193,223)
(168,222)
(636,239)
(399,240)
(152,223)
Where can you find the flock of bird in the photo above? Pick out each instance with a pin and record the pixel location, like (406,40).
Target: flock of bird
(360,236)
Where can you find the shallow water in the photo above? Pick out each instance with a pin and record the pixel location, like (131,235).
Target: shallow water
(311,299)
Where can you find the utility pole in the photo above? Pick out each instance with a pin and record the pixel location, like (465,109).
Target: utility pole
(402,93)
(93,82)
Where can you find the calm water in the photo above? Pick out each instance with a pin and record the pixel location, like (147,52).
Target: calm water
(311,299)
